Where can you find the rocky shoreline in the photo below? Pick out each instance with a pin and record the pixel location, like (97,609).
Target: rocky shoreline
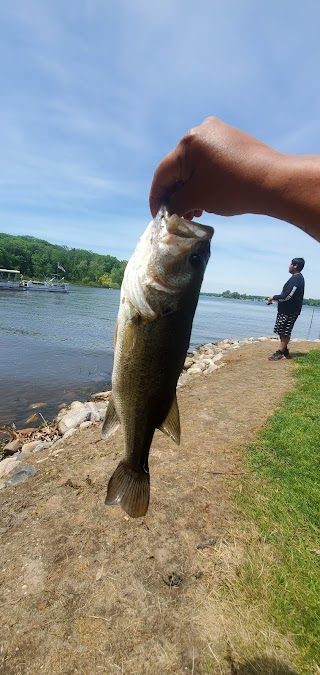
(21,444)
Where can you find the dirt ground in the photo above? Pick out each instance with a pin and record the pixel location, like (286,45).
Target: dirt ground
(85,589)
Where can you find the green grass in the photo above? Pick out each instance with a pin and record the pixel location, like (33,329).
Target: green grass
(281,496)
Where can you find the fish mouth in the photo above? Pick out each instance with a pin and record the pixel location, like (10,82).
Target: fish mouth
(186,229)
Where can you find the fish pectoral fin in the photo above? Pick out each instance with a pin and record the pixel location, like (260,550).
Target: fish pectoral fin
(111,420)
(171,425)
(131,489)
(130,333)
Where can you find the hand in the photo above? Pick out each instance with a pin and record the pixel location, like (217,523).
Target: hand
(269,301)
(214,168)
(223,170)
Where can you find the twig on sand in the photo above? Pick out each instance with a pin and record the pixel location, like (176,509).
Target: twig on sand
(103,618)
(215,658)
(235,670)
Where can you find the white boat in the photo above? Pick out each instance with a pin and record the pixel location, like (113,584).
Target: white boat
(11,280)
(53,285)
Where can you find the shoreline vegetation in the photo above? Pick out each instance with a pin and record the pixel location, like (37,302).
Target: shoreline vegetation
(37,259)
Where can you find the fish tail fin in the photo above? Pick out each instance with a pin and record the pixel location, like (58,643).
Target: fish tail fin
(129,488)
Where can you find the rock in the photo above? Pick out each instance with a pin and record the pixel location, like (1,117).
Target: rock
(75,405)
(20,475)
(36,446)
(7,465)
(74,418)
(263,339)
(188,362)
(94,412)
(211,369)
(12,447)
(183,379)
(85,425)
(101,407)
(101,395)
(195,370)
(31,446)
(217,357)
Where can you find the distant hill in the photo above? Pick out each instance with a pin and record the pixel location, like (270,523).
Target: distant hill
(38,259)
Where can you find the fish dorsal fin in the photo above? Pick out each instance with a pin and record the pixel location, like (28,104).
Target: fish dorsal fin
(111,420)
(171,425)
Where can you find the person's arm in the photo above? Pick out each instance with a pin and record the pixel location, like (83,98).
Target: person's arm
(287,293)
(223,170)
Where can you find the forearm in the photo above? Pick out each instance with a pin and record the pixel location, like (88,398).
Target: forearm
(292,191)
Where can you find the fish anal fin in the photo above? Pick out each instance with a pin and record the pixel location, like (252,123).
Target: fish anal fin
(171,425)
(130,489)
(111,420)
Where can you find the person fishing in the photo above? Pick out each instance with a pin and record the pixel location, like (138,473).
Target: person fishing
(289,307)
(223,170)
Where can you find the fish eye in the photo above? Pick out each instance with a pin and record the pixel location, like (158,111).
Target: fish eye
(195,260)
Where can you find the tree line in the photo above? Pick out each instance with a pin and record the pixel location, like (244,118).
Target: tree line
(243,296)
(38,259)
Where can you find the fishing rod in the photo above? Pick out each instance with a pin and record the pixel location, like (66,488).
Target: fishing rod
(310,324)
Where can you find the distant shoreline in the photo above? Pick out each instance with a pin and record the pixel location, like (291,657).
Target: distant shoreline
(234,295)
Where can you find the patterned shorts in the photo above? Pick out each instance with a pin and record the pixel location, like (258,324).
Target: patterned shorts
(284,324)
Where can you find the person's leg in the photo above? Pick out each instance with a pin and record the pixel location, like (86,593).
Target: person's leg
(283,326)
(284,341)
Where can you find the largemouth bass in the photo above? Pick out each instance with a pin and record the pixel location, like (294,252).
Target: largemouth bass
(159,295)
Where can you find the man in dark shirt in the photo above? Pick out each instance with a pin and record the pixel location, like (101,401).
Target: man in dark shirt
(289,308)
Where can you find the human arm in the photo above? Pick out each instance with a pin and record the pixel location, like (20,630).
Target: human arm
(220,169)
(288,290)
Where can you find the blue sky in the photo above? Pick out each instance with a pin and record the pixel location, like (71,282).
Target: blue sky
(95,93)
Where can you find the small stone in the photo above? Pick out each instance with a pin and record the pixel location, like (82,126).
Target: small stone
(102,395)
(85,425)
(183,379)
(7,465)
(31,446)
(12,447)
(194,371)
(188,362)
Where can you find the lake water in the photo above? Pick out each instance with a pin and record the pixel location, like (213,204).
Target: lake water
(57,348)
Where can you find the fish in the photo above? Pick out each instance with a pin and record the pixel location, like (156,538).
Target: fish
(158,299)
